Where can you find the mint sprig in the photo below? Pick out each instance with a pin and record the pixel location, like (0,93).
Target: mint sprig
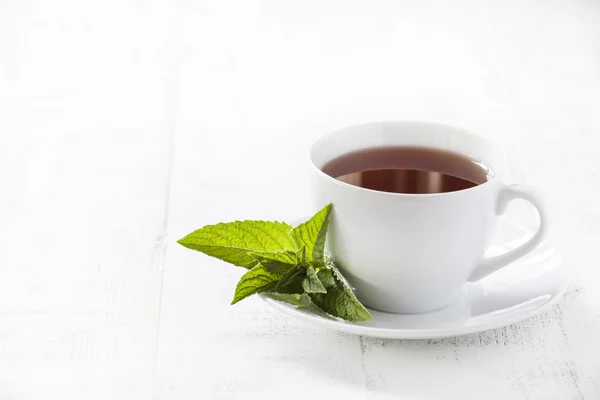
(286,264)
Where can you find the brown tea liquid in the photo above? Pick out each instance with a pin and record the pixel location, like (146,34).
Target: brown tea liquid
(405,169)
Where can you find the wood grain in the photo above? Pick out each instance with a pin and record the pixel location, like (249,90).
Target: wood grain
(85,125)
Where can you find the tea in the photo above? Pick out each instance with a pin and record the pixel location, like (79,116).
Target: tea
(404,169)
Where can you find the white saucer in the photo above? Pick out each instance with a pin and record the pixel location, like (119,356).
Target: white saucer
(519,291)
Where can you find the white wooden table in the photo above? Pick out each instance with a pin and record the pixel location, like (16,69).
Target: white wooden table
(126,124)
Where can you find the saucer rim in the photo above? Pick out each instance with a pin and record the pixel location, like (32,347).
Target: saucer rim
(415,334)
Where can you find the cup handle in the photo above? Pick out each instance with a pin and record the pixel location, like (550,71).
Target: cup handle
(508,194)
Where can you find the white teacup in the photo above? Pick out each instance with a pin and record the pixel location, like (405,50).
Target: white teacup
(410,253)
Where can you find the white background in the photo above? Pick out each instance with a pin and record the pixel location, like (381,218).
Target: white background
(126,124)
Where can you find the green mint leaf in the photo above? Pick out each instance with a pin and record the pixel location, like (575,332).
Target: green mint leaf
(277,262)
(297,300)
(257,280)
(277,267)
(232,242)
(301,255)
(311,235)
(312,284)
(291,281)
(300,301)
(339,301)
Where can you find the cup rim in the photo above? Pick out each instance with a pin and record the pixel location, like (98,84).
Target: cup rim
(497,171)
